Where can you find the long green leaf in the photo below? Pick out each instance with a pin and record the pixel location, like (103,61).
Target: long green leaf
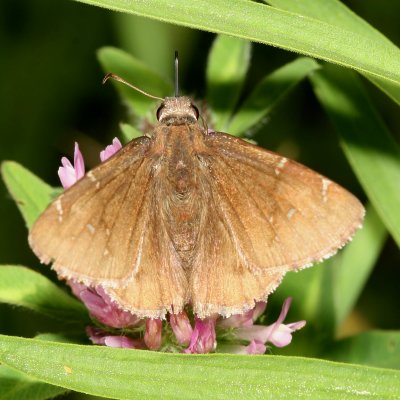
(268,93)
(260,23)
(128,374)
(336,13)
(376,348)
(373,154)
(228,62)
(15,385)
(23,287)
(333,12)
(30,193)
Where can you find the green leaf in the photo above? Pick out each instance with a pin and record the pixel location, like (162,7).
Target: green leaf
(15,385)
(23,287)
(375,348)
(355,264)
(269,92)
(129,132)
(371,151)
(260,23)
(336,13)
(132,70)
(228,62)
(30,193)
(128,374)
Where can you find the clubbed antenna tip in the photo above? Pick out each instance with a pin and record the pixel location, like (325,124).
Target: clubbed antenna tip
(110,75)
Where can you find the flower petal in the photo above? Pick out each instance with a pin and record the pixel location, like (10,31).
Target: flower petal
(245,319)
(181,327)
(260,333)
(69,174)
(79,163)
(66,173)
(153,333)
(101,337)
(102,308)
(110,150)
(256,347)
(203,338)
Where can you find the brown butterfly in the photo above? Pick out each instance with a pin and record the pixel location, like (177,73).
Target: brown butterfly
(186,216)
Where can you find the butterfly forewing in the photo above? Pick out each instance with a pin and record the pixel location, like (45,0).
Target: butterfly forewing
(92,231)
(280,214)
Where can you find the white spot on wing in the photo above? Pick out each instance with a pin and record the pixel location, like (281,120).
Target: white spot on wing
(290,213)
(324,191)
(139,256)
(59,208)
(91,228)
(280,165)
(91,176)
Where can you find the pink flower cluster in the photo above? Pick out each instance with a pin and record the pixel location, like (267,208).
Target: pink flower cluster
(236,334)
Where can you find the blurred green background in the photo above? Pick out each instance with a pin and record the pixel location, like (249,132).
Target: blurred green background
(51,95)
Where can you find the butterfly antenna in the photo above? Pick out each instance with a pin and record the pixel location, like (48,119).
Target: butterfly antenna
(176,74)
(119,79)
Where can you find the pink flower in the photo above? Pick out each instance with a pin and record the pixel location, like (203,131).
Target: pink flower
(101,337)
(278,334)
(153,334)
(181,327)
(69,174)
(110,150)
(255,347)
(102,308)
(246,319)
(203,338)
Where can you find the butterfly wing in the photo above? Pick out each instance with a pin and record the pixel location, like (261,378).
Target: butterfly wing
(271,215)
(101,231)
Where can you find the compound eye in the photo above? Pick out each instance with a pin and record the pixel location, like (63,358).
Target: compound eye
(196,111)
(158,114)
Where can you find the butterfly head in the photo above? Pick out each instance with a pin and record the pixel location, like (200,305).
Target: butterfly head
(177,111)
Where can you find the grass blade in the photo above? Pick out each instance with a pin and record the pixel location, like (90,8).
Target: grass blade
(260,23)
(336,13)
(128,374)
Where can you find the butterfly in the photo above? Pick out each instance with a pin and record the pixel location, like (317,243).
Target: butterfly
(187,216)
